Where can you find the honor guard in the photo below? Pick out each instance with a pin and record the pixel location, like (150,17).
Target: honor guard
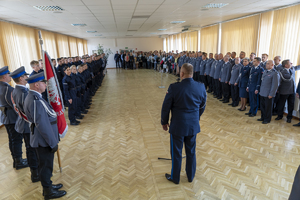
(8,117)
(22,126)
(44,133)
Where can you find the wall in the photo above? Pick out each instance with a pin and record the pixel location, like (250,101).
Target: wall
(142,44)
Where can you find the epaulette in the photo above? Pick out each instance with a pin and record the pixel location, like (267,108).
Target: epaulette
(35,97)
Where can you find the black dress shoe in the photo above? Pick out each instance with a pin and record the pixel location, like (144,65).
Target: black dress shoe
(219,97)
(289,120)
(89,104)
(35,175)
(242,110)
(57,186)
(20,163)
(84,112)
(74,123)
(234,105)
(230,104)
(297,124)
(51,193)
(278,118)
(248,113)
(222,100)
(260,119)
(252,115)
(265,122)
(168,177)
(87,107)
(77,121)
(79,117)
(225,101)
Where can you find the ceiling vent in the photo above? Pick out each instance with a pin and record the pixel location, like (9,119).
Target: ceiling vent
(78,25)
(91,31)
(215,5)
(48,8)
(177,22)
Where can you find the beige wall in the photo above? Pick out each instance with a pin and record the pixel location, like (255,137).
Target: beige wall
(142,44)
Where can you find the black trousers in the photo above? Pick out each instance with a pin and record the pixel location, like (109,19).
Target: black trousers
(226,91)
(276,103)
(218,88)
(30,153)
(45,165)
(15,141)
(266,106)
(295,193)
(235,95)
(196,76)
(118,64)
(210,83)
(291,102)
(205,81)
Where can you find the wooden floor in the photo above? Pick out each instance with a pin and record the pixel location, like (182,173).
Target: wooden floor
(113,153)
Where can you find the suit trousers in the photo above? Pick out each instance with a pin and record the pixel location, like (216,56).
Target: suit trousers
(276,103)
(72,110)
(281,103)
(210,83)
(45,165)
(30,153)
(235,94)
(226,91)
(15,141)
(118,64)
(196,76)
(205,81)
(218,88)
(254,101)
(266,106)
(176,144)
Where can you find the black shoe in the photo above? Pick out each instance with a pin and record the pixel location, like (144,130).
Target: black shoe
(260,119)
(231,104)
(252,115)
(51,193)
(297,124)
(222,100)
(289,120)
(35,175)
(219,97)
(278,118)
(57,186)
(74,123)
(84,112)
(20,163)
(168,177)
(235,105)
(87,107)
(89,104)
(79,117)
(248,113)
(78,122)
(243,109)
(225,101)
(265,122)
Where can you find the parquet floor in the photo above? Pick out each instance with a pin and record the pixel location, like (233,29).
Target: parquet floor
(113,153)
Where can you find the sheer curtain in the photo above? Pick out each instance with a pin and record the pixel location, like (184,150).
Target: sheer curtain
(85,47)
(73,46)
(49,43)
(62,43)
(80,47)
(209,39)
(192,41)
(240,35)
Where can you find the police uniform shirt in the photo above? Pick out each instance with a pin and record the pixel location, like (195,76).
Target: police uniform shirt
(269,83)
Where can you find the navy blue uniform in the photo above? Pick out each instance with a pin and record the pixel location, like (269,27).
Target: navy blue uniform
(70,93)
(243,81)
(186,100)
(253,85)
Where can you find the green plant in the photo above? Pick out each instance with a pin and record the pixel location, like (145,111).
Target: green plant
(101,50)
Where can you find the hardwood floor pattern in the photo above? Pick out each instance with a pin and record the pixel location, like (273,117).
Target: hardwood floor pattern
(113,153)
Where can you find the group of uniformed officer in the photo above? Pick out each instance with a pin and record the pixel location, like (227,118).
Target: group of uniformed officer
(27,114)
(265,84)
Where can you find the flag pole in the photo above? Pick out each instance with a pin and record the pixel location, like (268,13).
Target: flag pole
(45,74)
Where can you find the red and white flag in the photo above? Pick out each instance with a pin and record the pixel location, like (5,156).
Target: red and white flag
(54,95)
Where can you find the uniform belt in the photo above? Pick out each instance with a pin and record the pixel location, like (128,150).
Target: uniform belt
(54,122)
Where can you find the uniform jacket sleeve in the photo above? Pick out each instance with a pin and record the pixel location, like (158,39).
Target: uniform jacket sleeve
(275,84)
(259,79)
(166,107)
(66,90)
(202,105)
(228,73)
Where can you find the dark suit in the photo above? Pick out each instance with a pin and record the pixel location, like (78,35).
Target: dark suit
(117,60)
(186,100)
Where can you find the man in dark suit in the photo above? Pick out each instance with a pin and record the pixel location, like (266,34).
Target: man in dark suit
(117,59)
(186,100)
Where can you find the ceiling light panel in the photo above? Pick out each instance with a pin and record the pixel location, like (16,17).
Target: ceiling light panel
(49,8)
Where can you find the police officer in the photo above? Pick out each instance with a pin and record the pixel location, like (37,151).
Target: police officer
(22,126)
(8,117)
(207,72)
(224,79)
(278,67)
(254,86)
(187,101)
(234,80)
(44,133)
(70,95)
(211,74)
(217,76)
(287,89)
(269,86)
(202,69)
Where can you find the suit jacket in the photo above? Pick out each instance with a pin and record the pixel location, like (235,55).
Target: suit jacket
(186,100)
(269,83)
(287,80)
(218,69)
(208,66)
(41,114)
(255,78)
(203,66)
(225,72)
(5,102)
(244,76)
(235,71)
(19,94)
(197,66)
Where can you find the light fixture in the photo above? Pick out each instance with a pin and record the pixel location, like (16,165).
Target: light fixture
(215,5)
(48,8)
(78,24)
(98,35)
(91,31)
(162,29)
(177,22)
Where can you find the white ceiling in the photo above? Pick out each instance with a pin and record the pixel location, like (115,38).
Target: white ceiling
(113,18)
